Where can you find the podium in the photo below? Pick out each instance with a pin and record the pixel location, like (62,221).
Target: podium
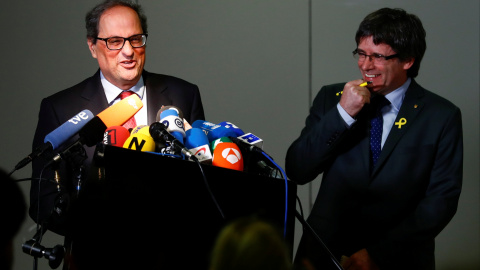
(149,210)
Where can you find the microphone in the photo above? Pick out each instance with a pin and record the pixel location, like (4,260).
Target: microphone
(57,137)
(116,136)
(140,142)
(164,108)
(144,129)
(233,127)
(196,142)
(93,131)
(179,112)
(115,115)
(213,131)
(160,134)
(244,144)
(121,112)
(68,129)
(255,159)
(214,144)
(251,139)
(173,123)
(228,155)
(247,137)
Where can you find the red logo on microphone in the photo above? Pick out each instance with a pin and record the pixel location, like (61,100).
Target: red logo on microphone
(201,151)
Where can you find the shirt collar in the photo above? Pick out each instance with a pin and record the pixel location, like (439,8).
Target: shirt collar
(396,97)
(112,91)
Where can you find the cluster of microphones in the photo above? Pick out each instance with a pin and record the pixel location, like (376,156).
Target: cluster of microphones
(222,145)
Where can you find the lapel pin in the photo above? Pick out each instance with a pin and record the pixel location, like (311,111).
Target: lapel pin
(401,122)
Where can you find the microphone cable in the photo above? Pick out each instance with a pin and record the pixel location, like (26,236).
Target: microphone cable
(286,192)
(207,185)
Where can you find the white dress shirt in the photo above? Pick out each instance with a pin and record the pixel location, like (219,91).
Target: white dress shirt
(112,93)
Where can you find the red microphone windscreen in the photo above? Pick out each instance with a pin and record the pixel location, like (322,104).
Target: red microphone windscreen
(116,136)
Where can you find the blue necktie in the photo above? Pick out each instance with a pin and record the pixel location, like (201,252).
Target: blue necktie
(376,127)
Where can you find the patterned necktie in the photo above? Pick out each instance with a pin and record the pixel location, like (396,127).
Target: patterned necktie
(376,127)
(131,123)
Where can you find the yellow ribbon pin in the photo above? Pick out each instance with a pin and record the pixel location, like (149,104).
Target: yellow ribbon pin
(402,122)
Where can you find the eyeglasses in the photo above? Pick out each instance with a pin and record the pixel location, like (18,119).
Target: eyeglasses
(374,57)
(117,43)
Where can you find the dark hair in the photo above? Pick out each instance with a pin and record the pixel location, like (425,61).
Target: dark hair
(402,31)
(93,16)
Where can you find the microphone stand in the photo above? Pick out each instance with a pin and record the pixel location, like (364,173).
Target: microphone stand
(32,247)
(75,155)
(305,223)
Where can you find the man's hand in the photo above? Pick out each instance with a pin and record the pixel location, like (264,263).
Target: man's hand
(359,260)
(354,97)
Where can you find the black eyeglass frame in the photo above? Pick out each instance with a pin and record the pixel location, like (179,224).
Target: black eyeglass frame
(375,55)
(144,38)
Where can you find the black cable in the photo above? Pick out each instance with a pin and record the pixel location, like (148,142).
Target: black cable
(284,176)
(305,224)
(208,186)
(300,205)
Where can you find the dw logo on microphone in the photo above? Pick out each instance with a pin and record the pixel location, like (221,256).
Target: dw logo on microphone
(179,123)
(165,123)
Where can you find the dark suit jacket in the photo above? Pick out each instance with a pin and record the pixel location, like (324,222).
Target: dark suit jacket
(89,94)
(396,211)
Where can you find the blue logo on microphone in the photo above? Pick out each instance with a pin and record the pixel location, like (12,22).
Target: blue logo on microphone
(250,138)
(165,122)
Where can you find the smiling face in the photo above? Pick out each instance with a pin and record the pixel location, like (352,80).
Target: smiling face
(124,67)
(387,77)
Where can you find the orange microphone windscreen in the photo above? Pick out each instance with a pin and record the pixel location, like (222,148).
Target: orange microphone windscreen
(228,155)
(120,112)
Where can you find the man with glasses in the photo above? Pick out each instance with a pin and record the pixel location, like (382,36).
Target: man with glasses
(392,174)
(116,36)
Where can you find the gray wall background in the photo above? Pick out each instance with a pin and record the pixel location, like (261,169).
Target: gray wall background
(258,64)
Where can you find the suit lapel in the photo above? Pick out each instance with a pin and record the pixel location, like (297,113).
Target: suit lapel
(94,94)
(155,88)
(411,107)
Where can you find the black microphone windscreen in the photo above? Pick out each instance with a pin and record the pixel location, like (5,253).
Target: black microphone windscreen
(93,132)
